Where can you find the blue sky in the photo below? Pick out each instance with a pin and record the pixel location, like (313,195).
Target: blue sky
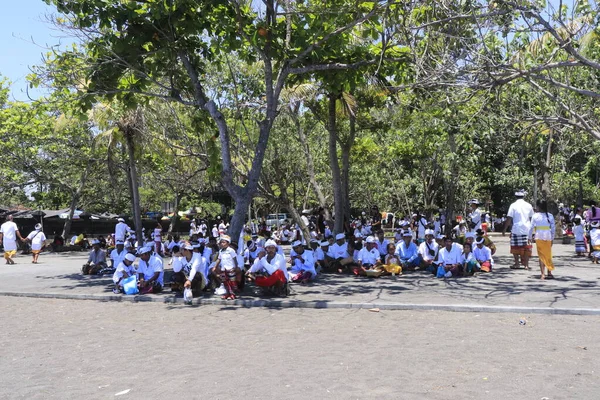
(24,37)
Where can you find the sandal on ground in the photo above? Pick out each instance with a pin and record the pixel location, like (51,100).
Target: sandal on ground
(549,276)
(527,268)
(515,266)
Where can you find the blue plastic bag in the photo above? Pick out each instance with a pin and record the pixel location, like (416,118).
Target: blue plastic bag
(130,285)
(441,271)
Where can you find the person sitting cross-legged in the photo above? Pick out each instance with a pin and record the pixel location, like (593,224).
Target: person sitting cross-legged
(483,255)
(269,271)
(449,259)
(150,271)
(369,260)
(428,251)
(408,252)
(96,260)
(303,264)
(124,270)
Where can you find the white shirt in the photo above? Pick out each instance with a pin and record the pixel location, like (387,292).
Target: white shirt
(338,251)
(421,224)
(308,264)
(148,269)
(368,256)
(117,257)
(227,257)
(120,230)
(319,254)
(542,225)
(424,250)
(198,264)
(9,235)
(382,246)
(452,256)
(121,270)
(521,213)
(476,218)
(37,239)
(215,232)
(277,263)
(483,254)
(595,237)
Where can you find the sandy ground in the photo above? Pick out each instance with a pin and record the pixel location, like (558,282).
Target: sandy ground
(63,349)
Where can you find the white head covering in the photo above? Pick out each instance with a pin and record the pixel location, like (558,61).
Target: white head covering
(270,243)
(407,233)
(119,242)
(120,220)
(358,235)
(520,193)
(226,238)
(130,257)
(144,250)
(324,243)
(370,239)
(297,243)
(429,232)
(340,236)
(38,227)
(480,240)
(469,235)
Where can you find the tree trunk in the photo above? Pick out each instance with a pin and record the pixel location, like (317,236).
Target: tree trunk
(75,195)
(335,168)
(175,218)
(545,176)
(310,168)
(135,193)
(297,217)
(451,186)
(346,147)
(242,201)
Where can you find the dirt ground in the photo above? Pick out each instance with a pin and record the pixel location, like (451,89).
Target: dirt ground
(67,349)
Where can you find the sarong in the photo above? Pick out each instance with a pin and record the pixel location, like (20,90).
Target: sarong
(544,249)
(580,246)
(392,268)
(268,281)
(518,245)
(9,254)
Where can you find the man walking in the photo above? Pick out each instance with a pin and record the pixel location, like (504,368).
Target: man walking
(9,232)
(519,214)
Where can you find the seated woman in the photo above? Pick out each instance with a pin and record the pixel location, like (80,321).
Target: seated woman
(124,270)
(408,252)
(303,264)
(269,271)
(369,260)
(483,255)
(392,264)
(469,264)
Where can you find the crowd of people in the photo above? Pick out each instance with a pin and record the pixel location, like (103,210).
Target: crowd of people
(208,260)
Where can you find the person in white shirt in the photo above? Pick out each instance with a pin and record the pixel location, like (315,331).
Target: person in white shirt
(250,253)
(339,252)
(10,232)
(382,242)
(543,227)
(303,264)
(468,263)
(419,226)
(227,268)
(271,267)
(118,254)
(123,271)
(474,216)
(159,249)
(197,266)
(428,251)
(368,258)
(150,271)
(519,214)
(215,231)
(121,229)
(203,228)
(37,239)
(483,255)
(449,259)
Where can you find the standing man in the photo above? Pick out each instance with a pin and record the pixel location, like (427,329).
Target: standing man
(121,230)
(519,214)
(474,216)
(9,232)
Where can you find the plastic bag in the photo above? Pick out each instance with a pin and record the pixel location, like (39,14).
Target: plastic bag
(130,285)
(188,296)
(221,290)
(441,271)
